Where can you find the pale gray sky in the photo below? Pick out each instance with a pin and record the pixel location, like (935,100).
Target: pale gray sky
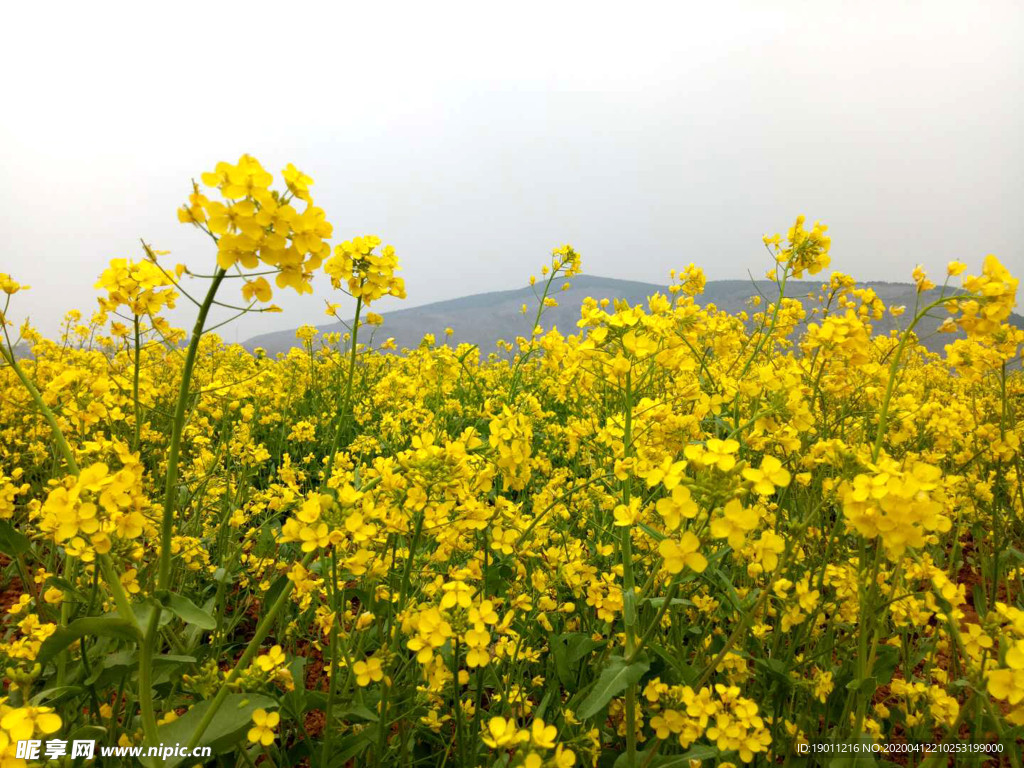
(475,137)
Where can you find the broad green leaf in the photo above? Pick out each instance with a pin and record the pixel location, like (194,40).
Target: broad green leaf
(186,610)
(888,657)
(578,645)
(52,695)
(616,677)
(64,586)
(561,659)
(656,535)
(271,595)
(293,703)
(538,714)
(699,752)
(852,761)
(193,634)
(359,712)
(13,543)
(352,746)
(105,626)
(644,757)
(87,733)
(686,673)
(143,611)
(657,602)
(231,722)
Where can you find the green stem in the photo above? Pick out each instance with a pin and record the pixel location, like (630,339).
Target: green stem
(58,435)
(262,630)
(69,459)
(124,606)
(346,403)
(883,412)
(333,690)
(669,597)
(628,579)
(135,389)
(149,642)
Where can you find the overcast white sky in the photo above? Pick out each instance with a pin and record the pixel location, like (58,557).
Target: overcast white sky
(475,137)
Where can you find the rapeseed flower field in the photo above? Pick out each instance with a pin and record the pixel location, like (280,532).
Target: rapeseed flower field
(669,536)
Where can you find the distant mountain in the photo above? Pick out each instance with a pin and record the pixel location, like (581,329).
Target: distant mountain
(484,318)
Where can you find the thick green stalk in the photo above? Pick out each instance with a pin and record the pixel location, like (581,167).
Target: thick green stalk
(628,579)
(402,595)
(69,459)
(149,642)
(262,630)
(333,689)
(347,402)
(135,390)
(523,357)
(883,412)
(58,435)
(771,328)
(124,606)
(177,427)
(867,640)
(329,470)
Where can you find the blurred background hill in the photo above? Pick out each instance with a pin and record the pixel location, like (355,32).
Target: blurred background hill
(484,318)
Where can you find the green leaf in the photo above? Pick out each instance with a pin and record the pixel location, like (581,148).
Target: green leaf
(65,586)
(887,657)
(54,695)
(852,761)
(87,733)
(186,610)
(232,721)
(684,671)
(580,645)
(105,626)
(560,655)
(656,535)
(352,746)
(686,759)
(271,595)
(640,758)
(142,613)
(657,602)
(293,703)
(360,712)
(616,677)
(13,543)
(116,660)
(538,713)
(777,669)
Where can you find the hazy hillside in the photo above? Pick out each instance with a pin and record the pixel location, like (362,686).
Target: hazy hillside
(484,318)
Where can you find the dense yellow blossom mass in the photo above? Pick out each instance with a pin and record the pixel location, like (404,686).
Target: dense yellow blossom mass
(669,535)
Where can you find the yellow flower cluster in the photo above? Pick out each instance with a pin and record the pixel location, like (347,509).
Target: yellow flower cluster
(904,508)
(511,436)
(725,717)
(669,529)
(141,286)
(21,724)
(256,224)
(366,275)
(804,250)
(87,513)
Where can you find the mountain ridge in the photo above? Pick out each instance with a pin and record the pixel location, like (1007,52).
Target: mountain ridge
(483,318)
